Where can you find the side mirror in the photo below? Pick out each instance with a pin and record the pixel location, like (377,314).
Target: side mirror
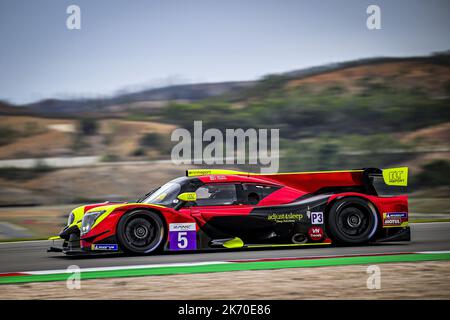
(185,198)
(188,196)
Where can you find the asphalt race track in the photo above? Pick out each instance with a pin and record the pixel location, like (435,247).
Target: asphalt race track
(32,255)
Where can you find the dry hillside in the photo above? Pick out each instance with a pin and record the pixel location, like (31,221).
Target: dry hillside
(431,78)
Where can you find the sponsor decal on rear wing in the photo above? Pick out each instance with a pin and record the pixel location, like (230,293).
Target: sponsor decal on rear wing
(387,182)
(396,176)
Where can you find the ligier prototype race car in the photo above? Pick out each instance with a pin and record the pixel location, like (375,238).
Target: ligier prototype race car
(229,209)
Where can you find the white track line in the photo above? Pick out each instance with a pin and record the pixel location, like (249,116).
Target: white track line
(431,252)
(186,264)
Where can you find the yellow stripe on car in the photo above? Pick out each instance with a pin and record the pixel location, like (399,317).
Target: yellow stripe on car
(288,245)
(207,172)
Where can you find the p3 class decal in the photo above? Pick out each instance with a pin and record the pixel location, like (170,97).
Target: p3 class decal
(182,236)
(317,218)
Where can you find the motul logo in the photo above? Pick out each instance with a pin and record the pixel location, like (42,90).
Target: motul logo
(392,221)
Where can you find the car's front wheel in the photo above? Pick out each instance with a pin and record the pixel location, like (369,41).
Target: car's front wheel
(352,221)
(140,232)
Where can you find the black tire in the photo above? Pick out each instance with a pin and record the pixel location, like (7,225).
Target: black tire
(352,221)
(140,232)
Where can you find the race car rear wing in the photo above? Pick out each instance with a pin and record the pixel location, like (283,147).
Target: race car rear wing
(386,182)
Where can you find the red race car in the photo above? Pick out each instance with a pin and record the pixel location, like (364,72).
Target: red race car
(230,209)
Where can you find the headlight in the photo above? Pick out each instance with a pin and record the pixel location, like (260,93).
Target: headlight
(71,218)
(89,220)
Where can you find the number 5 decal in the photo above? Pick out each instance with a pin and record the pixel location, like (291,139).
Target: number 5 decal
(182,240)
(182,236)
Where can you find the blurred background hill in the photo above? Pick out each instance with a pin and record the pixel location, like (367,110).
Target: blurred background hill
(373,112)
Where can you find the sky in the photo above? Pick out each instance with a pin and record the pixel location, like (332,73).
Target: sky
(131,45)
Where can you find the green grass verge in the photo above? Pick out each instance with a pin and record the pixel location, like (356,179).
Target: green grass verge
(239,266)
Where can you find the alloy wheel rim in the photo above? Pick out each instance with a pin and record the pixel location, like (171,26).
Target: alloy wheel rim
(353,221)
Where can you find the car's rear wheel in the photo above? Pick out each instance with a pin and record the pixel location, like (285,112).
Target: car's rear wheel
(352,221)
(140,232)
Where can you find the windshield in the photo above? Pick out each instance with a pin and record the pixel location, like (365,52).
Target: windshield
(164,195)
